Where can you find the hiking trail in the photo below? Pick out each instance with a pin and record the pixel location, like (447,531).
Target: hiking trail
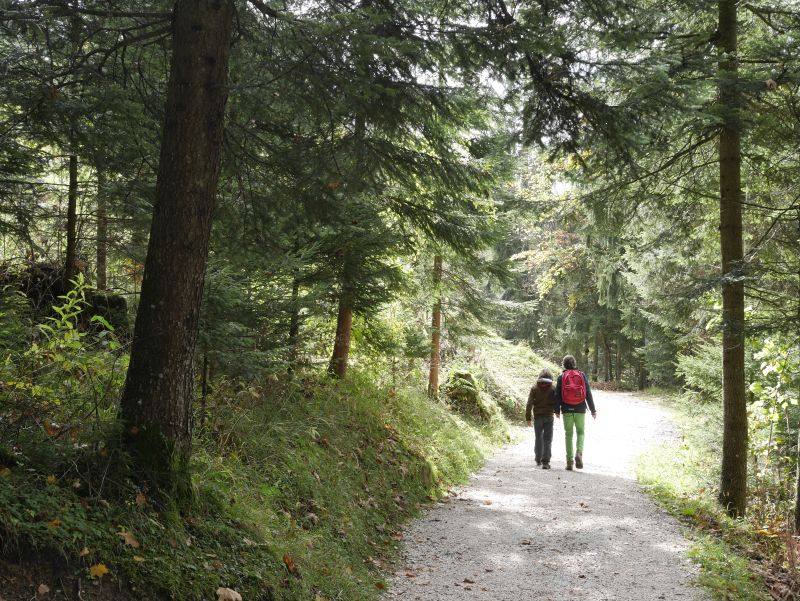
(517,532)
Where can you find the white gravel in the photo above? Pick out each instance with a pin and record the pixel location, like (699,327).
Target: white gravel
(518,532)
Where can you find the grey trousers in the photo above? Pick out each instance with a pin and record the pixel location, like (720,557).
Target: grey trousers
(543,428)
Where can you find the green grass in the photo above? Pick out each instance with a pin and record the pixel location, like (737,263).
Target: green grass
(300,491)
(506,371)
(682,477)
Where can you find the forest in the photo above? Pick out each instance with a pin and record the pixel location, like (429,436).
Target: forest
(274,276)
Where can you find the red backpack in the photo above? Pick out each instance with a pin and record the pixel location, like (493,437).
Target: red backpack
(573,387)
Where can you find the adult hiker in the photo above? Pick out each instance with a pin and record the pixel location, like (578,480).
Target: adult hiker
(573,395)
(542,400)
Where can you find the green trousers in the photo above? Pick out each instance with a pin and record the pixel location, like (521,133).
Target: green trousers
(576,421)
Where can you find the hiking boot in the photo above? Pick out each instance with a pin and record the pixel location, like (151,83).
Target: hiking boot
(545,466)
(538,462)
(579,460)
(569,465)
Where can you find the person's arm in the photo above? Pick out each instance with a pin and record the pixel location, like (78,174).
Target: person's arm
(589,399)
(558,400)
(555,402)
(528,407)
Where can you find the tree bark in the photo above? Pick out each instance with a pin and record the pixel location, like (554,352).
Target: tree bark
(294,324)
(344,320)
(436,329)
(156,406)
(733,486)
(607,358)
(71,260)
(619,362)
(102,230)
(596,363)
(341,346)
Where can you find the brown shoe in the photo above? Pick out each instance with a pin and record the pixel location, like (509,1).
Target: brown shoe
(569,465)
(579,460)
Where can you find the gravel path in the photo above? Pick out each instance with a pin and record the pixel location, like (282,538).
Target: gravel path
(517,532)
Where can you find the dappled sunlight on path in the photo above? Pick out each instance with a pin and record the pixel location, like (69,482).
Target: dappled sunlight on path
(521,533)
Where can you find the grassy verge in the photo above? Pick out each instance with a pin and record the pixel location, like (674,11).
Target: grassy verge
(682,477)
(300,492)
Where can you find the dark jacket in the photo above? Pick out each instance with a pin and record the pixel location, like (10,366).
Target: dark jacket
(542,400)
(562,407)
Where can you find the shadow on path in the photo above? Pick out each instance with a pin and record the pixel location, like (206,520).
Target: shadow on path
(521,533)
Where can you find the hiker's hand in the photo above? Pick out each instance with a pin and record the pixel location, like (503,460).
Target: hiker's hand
(529,424)
(594,414)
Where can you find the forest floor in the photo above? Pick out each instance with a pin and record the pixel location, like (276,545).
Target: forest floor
(518,532)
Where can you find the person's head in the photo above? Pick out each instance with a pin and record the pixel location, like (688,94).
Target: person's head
(568,362)
(545,378)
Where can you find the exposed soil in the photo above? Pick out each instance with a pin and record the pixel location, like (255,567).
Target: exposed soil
(518,532)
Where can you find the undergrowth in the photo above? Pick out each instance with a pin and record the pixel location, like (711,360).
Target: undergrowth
(300,490)
(737,559)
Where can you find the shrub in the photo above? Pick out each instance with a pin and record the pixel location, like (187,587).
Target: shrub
(702,373)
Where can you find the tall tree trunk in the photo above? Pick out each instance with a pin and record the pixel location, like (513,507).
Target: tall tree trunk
(436,329)
(344,320)
(71,261)
(797,486)
(294,324)
(102,230)
(596,363)
(607,358)
(619,362)
(733,486)
(341,346)
(156,406)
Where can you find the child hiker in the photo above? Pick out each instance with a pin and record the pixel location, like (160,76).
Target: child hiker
(572,397)
(542,399)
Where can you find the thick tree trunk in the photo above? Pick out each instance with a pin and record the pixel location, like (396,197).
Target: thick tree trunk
(341,346)
(71,260)
(159,389)
(102,230)
(733,486)
(344,320)
(436,329)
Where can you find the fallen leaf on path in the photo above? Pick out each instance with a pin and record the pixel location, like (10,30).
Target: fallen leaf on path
(487,502)
(468,581)
(288,561)
(43,589)
(380,586)
(98,570)
(227,594)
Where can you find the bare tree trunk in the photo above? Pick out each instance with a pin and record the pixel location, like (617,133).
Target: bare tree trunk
(344,319)
(341,346)
(436,329)
(733,486)
(71,261)
(294,324)
(607,358)
(619,362)
(596,363)
(102,230)
(156,406)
